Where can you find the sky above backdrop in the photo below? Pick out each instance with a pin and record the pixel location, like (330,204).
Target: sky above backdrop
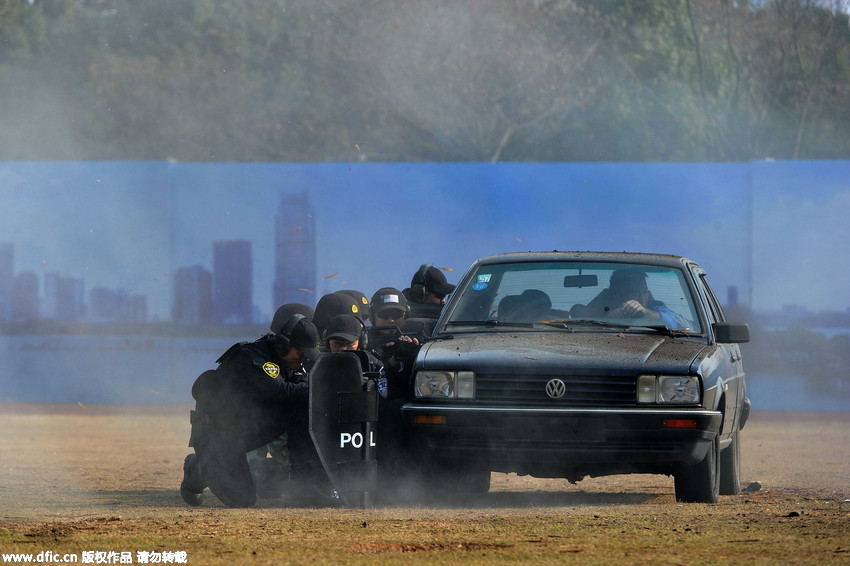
(775,230)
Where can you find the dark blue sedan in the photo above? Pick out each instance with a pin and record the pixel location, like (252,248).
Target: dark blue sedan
(575,364)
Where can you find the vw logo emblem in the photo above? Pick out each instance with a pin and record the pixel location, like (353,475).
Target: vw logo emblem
(555,388)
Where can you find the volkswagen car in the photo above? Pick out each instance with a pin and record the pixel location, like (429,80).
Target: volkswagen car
(576,364)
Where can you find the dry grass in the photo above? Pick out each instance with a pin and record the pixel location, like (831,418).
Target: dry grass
(76,479)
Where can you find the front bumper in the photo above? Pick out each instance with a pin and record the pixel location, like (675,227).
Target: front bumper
(547,441)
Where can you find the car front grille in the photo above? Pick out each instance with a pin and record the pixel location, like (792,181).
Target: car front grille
(579,391)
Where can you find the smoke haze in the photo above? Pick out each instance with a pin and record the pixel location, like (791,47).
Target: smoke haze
(134,136)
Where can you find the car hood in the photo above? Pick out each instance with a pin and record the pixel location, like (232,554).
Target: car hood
(557,352)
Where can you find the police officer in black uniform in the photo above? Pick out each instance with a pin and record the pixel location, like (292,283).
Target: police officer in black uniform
(347,333)
(285,311)
(270,474)
(331,305)
(245,403)
(362,303)
(427,292)
(397,350)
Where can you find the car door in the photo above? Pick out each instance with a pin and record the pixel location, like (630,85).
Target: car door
(732,366)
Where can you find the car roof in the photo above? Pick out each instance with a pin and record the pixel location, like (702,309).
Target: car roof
(590,256)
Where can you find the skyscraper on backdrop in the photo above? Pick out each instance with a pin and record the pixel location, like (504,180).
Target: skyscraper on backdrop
(64,298)
(25,297)
(232,282)
(295,251)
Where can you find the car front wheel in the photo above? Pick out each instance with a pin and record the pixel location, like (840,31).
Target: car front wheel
(700,483)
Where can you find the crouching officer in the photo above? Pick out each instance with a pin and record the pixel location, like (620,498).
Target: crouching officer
(245,403)
(397,351)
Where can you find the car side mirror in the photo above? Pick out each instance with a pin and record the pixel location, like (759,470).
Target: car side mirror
(729,333)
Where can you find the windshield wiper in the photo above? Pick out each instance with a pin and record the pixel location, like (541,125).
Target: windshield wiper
(491,322)
(568,324)
(662,328)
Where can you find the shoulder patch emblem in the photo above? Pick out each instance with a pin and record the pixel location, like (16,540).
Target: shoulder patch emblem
(272,370)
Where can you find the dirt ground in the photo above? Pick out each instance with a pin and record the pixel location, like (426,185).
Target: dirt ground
(107,476)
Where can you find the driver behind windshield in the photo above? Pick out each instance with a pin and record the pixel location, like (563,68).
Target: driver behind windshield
(627,296)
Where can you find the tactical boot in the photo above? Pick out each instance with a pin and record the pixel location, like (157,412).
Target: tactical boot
(192,487)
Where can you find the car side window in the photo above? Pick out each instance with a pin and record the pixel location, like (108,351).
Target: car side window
(669,287)
(715,311)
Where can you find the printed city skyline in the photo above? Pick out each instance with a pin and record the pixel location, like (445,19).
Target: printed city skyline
(221,295)
(774,231)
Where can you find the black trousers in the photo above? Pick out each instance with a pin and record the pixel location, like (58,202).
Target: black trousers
(223,467)
(221,450)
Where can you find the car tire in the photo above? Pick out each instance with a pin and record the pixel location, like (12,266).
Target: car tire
(700,483)
(730,467)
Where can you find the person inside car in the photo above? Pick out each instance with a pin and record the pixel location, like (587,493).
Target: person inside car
(627,296)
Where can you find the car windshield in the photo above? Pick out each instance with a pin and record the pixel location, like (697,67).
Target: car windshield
(571,295)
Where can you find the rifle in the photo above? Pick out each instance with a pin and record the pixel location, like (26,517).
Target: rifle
(384,341)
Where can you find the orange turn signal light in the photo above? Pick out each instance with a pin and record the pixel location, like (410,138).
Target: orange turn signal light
(429,419)
(679,423)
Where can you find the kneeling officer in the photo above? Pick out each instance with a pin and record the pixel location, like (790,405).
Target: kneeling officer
(248,401)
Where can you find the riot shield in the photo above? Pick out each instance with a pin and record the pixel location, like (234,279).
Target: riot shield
(343,416)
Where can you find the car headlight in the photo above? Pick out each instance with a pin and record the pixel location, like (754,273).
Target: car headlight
(668,389)
(444,384)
